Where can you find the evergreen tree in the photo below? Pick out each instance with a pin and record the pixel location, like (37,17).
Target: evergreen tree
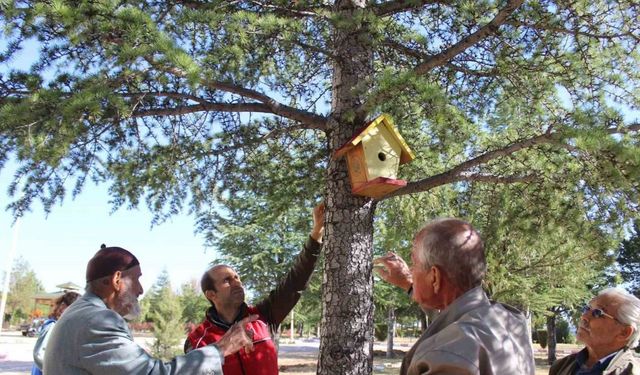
(629,260)
(23,286)
(166,313)
(187,105)
(193,302)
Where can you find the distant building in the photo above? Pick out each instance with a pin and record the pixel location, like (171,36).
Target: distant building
(49,298)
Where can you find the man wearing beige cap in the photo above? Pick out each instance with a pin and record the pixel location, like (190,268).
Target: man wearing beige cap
(92,336)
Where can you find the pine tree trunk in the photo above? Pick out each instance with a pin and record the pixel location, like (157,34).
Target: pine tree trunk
(551,339)
(346,343)
(391,331)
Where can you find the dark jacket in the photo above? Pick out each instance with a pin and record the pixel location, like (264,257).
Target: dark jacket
(271,311)
(624,363)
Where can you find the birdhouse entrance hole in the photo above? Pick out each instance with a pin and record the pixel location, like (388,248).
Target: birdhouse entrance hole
(382,156)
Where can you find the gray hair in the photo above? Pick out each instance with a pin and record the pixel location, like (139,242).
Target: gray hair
(628,311)
(454,246)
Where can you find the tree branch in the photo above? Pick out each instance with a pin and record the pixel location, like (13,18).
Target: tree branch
(431,62)
(539,26)
(220,107)
(461,171)
(313,120)
(470,40)
(398,6)
(274,9)
(408,51)
(496,179)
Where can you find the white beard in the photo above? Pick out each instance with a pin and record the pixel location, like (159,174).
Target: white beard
(134,310)
(128,305)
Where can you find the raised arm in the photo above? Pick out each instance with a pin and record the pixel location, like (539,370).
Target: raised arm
(284,297)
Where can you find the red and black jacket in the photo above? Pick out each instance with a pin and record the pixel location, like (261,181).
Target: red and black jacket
(271,311)
(262,361)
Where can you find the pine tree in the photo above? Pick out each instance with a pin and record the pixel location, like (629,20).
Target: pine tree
(166,314)
(193,303)
(23,286)
(629,260)
(198,106)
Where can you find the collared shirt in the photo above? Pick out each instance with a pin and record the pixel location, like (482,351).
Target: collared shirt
(597,369)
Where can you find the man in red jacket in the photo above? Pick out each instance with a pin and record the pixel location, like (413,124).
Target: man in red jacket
(221,285)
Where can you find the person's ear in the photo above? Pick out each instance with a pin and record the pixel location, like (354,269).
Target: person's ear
(436,278)
(115,280)
(626,333)
(210,294)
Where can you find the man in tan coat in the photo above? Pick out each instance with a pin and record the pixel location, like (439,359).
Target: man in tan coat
(472,335)
(609,329)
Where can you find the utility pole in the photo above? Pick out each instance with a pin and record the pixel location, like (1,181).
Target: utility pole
(7,271)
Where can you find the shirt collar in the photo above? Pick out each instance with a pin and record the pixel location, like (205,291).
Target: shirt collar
(601,365)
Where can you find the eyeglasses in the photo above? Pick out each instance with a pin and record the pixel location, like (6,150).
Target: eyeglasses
(597,313)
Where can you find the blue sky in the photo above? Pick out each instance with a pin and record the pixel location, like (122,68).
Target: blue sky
(58,247)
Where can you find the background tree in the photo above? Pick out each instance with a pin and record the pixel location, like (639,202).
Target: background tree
(188,104)
(193,302)
(166,313)
(628,258)
(23,286)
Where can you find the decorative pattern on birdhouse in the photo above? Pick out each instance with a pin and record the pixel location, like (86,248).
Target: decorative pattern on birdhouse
(373,157)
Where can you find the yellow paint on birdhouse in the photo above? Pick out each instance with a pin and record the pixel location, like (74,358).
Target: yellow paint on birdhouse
(373,157)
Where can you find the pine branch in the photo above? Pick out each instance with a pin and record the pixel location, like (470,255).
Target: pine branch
(562,30)
(398,6)
(313,120)
(496,179)
(408,51)
(297,12)
(220,107)
(482,33)
(461,171)
(446,56)
(287,11)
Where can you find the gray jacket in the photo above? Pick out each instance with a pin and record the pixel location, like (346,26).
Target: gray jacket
(89,338)
(624,363)
(473,336)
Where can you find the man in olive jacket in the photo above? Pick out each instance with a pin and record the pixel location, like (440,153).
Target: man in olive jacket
(472,335)
(609,329)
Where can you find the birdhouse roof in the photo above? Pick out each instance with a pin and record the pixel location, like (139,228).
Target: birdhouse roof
(406,155)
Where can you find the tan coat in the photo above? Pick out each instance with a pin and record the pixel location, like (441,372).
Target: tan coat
(473,336)
(624,363)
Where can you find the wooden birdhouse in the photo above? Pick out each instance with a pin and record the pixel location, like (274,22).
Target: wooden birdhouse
(373,157)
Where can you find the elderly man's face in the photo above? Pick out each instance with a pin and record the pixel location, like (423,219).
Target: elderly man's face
(127,302)
(423,292)
(602,334)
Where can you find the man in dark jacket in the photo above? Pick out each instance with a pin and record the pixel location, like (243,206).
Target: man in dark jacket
(221,285)
(609,329)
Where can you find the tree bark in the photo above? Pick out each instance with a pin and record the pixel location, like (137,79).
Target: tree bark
(551,338)
(346,344)
(391,331)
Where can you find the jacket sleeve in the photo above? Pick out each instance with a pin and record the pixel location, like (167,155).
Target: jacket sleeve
(41,345)
(441,363)
(287,293)
(109,349)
